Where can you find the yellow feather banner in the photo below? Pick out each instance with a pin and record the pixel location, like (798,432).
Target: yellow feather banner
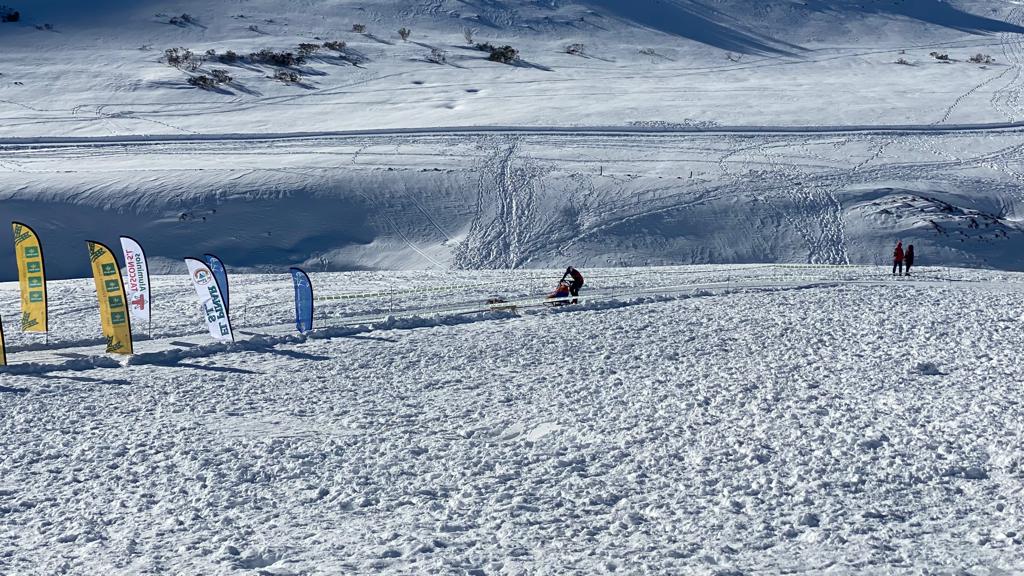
(31,277)
(117,328)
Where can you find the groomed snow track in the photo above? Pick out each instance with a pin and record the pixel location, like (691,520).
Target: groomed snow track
(868,130)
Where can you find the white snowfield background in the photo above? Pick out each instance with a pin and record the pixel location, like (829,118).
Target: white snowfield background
(679,132)
(743,388)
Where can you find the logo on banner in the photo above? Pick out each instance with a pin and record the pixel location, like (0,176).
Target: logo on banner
(139,303)
(21,234)
(202,277)
(95,252)
(27,321)
(113,345)
(133,262)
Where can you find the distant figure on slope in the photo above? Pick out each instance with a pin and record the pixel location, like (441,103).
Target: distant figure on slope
(897,258)
(908,258)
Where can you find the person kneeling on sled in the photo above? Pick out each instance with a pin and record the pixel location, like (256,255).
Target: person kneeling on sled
(575,283)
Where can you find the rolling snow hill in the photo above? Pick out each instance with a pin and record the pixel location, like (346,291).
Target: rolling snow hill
(675,132)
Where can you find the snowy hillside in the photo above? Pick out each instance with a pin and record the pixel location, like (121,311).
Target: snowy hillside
(640,132)
(710,420)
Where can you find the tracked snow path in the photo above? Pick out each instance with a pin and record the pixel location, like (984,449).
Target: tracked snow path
(899,129)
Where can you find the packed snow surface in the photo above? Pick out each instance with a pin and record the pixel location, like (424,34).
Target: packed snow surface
(698,419)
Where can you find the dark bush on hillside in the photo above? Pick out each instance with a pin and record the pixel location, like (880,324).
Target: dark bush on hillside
(305,49)
(574,49)
(272,58)
(404,33)
(336,45)
(229,57)
(182,58)
(287,77)
(939,56)
(203,82)
(359,28)
(504,54)
(982,59)
(183,20)
(221,76)
(437,56)
(8,14)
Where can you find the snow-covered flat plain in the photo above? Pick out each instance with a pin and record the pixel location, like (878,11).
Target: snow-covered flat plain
(756,419)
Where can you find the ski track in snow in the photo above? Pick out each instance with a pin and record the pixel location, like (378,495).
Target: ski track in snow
(857,424)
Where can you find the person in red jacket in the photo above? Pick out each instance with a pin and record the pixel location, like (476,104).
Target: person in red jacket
(897,258)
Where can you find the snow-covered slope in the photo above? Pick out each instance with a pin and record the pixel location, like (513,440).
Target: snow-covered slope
(774,421)
(733,131)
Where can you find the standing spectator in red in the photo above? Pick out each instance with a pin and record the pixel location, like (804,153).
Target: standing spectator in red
(897,258)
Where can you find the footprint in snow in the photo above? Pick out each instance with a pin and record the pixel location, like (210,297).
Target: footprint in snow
(928,369)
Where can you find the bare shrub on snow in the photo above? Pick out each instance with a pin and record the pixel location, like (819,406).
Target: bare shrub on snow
(183,59)
(404,33)
(221,76)
(229,57)
(336,45)
(306,49)
(216,78)
(731,57)
(287,77)
(468,34)
(359,28)
(504,54)
(202,81)
(939,56)
(437,56)
(903,61)
(183,20)
(575,49)
(284,59)
(981,59)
